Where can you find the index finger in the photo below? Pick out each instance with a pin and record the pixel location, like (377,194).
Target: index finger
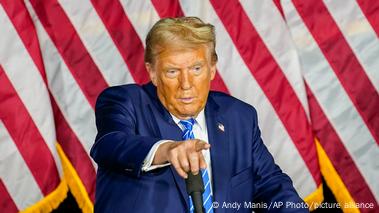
(201,145)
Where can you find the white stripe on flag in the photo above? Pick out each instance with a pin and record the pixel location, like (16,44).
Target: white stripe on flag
(142,15)
(334,101)
(15,174)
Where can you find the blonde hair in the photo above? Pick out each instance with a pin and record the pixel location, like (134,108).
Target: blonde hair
(188,32)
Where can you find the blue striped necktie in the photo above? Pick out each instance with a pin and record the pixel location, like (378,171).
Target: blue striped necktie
(207,196)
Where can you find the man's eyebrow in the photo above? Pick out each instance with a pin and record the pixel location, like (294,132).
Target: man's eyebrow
(198,63)
(171,66)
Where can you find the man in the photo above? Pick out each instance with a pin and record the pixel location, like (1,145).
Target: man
(150,137)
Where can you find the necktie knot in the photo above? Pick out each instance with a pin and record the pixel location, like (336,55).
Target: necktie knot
(187,131)
(188,124)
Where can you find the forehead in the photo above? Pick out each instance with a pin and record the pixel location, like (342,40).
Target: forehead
(178,57)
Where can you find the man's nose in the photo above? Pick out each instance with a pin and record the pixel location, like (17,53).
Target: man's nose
(185,80)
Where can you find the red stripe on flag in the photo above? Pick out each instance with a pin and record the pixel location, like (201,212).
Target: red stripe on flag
(124,36)
(6,202)
(338,154)
(279,6)
(75,152)
(172,8)
(370,9)
(343,61)
(71,48)
(271,79)
(27,137)
(168,8)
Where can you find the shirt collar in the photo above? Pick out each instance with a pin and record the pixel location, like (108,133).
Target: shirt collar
(200,119)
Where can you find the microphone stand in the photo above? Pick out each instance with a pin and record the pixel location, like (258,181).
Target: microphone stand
(195,188)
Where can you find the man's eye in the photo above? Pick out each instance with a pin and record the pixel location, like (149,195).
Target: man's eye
(171,73)
(197,69)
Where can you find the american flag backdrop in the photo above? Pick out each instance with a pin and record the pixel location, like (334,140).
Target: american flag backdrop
(310,67)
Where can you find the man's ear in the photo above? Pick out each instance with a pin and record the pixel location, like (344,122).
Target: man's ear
(213,71)
(152,73)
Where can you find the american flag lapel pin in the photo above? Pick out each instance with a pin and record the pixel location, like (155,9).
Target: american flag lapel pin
(221,127)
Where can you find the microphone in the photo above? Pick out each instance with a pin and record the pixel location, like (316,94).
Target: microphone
(195,188)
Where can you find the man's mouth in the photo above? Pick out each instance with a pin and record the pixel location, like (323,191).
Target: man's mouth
(186,100)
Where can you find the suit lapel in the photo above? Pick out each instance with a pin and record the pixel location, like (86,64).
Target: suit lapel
(168,130)
(218,138)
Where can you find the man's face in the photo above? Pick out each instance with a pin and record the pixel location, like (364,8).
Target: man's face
(183,79)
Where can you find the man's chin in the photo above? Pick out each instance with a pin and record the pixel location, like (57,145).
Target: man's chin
(187,114)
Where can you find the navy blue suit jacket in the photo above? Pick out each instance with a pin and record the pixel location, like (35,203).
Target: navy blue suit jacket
(130,119)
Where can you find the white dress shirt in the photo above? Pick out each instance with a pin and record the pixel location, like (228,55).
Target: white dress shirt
(200,131)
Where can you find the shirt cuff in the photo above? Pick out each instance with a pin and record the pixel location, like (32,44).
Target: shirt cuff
(146,166)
